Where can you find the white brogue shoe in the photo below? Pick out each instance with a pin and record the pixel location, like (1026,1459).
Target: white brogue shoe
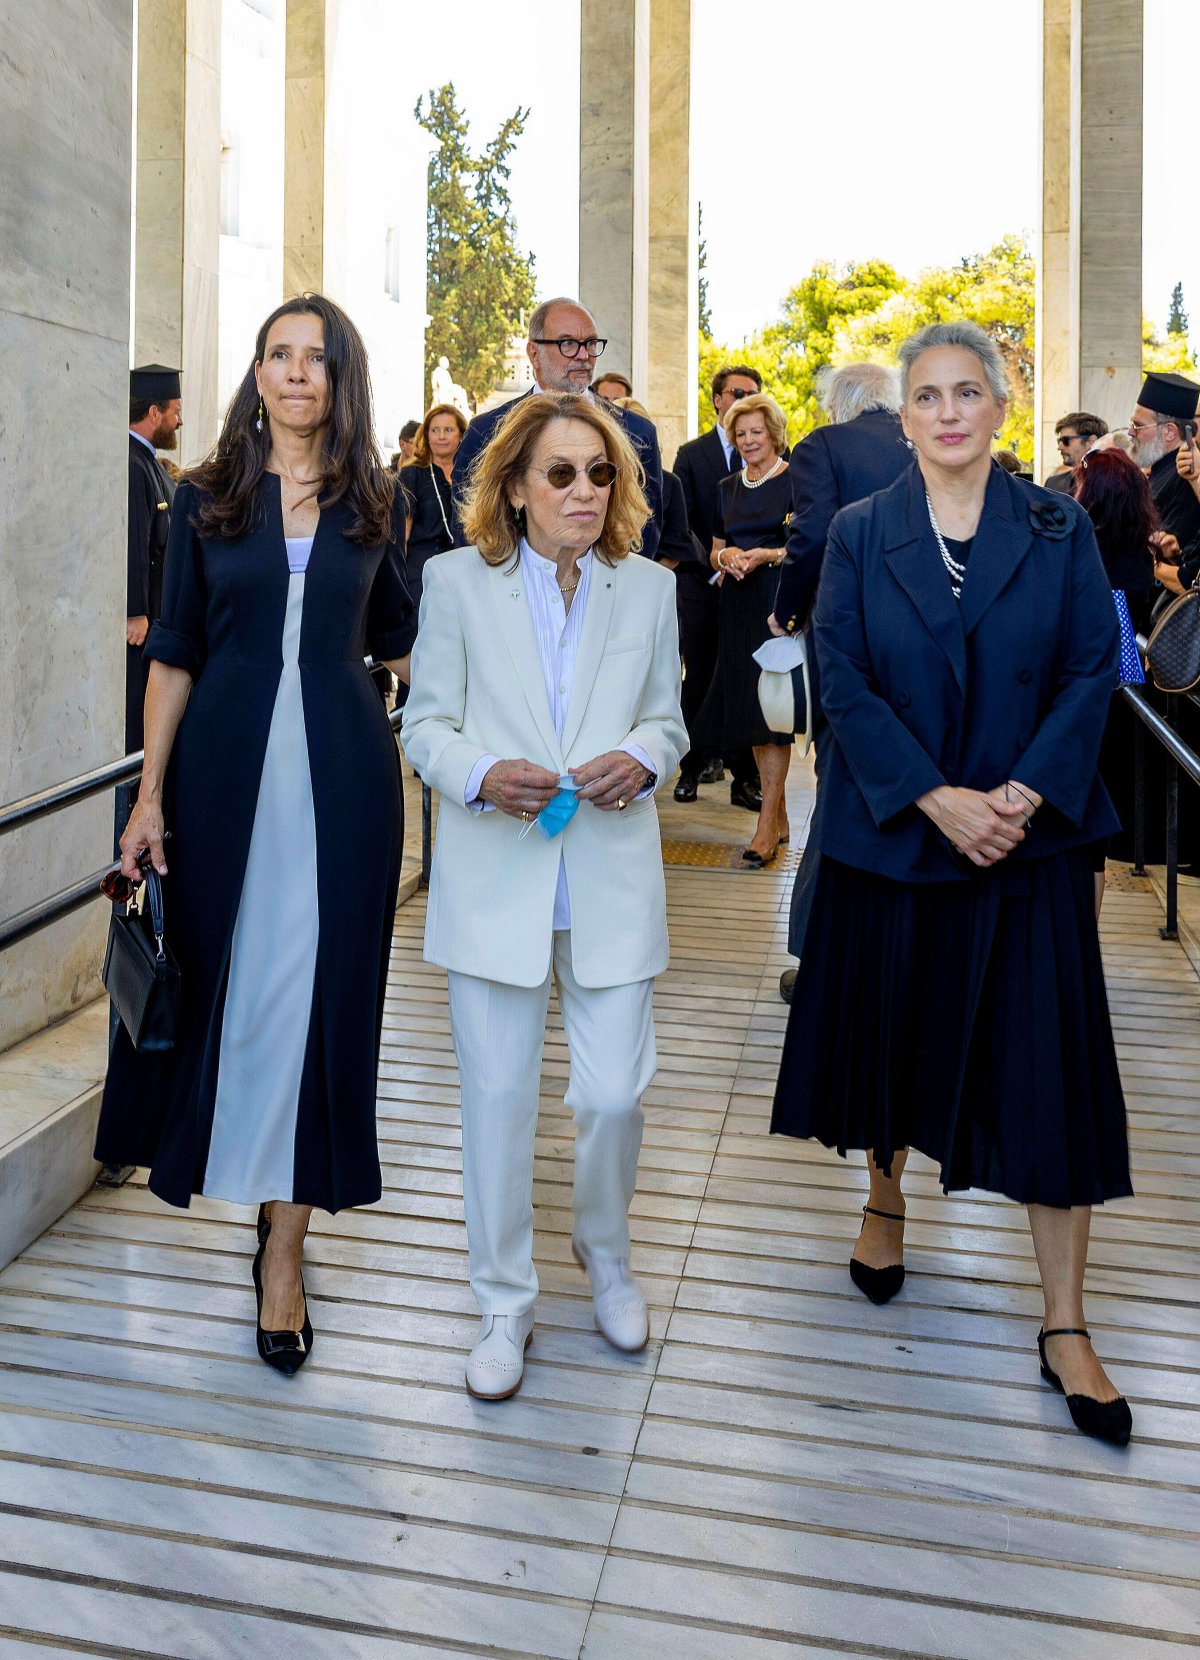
(496,1364)
(620,1307)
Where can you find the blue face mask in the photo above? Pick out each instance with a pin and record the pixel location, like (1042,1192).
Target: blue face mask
(558,811)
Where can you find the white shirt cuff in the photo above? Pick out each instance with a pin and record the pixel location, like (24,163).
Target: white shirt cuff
(639,755)
(478,773)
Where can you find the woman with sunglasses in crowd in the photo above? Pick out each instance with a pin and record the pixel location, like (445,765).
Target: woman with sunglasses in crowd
(545,712)
(270,761)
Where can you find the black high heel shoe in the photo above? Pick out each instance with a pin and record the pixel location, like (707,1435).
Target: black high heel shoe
(1109,1421)
(879,1284)
(286,1351)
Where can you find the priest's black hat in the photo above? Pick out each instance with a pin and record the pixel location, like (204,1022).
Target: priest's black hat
(155,382)
(1171,395)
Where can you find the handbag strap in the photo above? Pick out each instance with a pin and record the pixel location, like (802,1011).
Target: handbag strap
(155,893)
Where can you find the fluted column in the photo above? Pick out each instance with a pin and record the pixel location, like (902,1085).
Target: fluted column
(1089,313)
(178,203)
(614,178)
(673,299)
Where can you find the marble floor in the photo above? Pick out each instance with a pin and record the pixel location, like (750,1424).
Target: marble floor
(786,1470)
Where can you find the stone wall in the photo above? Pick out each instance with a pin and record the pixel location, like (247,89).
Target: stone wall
(66,137)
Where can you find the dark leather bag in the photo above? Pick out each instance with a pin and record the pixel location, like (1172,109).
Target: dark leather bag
(140,974)
(1173,650)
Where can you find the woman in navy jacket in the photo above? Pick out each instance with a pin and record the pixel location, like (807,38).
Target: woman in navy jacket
(951,996)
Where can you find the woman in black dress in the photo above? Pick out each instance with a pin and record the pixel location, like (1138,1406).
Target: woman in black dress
(429,503)
(748,548)
(270,761)
(951,996)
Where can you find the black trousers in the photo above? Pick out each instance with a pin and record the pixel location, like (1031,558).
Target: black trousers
(696,605)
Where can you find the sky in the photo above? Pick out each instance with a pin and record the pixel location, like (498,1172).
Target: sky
(906,130)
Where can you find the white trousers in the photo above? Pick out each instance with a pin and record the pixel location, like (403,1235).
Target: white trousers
(499,1032)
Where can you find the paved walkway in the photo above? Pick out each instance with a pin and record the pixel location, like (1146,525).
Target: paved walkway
(786,1471)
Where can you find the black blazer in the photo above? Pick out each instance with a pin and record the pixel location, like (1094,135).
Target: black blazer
(642,433)
(151,493)
(678,542)
(1012,681)
(700,465)
(828,470)
(1179,511)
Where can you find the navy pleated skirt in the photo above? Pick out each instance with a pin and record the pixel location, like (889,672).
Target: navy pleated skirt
(966,1019)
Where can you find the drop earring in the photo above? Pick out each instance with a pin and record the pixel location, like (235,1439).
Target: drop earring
(259,422)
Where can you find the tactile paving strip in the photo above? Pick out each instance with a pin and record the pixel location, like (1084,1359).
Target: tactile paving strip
(723,856)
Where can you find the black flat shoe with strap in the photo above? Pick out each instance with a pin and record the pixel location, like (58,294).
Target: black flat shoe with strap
(879,1284)
(286,1351)
(1109,1421)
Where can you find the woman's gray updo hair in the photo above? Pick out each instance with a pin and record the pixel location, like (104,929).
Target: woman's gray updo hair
(968,335)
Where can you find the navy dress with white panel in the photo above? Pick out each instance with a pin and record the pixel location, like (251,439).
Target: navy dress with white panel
(282,798)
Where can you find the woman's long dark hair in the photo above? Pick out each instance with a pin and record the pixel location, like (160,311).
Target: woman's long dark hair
(230,475)
(1115,494)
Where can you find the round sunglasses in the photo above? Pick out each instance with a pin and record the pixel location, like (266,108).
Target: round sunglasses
(562,474)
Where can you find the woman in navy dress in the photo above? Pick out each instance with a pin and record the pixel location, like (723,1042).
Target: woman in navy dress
(270,762)
(748,548)
(951,996)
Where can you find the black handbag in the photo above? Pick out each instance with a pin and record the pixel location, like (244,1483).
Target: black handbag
(1173,650)
(140,974)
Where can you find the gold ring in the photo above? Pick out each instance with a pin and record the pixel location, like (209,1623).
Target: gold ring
(524,818)
(621,805)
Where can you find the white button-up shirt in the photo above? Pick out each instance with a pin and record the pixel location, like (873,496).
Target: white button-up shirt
(557,632)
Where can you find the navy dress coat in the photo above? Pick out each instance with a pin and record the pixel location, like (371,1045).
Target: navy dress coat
(938,1005)
(919,689)
(641,432)
(222,622)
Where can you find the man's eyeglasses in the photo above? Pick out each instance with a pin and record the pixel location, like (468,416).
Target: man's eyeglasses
(572,348)
(1065,438)
(1144,426)
(562,475)
(738,392)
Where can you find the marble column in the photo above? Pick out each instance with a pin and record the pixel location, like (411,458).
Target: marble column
(315,113)
(614,178)
(1089,313)
(178,203)
(673,299)
(66,134)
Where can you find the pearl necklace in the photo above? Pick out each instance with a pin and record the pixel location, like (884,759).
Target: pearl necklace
(956,571)
(755,483)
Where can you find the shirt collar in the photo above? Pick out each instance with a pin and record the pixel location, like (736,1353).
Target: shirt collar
(545,569)
(586,393)
(142,440)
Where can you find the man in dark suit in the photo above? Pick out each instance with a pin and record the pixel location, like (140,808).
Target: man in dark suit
(563,347)
(155,416)
(862,451)
(700,465)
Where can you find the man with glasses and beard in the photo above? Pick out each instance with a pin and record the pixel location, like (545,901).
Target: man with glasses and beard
(1166,406)
(155,416)
(563,348)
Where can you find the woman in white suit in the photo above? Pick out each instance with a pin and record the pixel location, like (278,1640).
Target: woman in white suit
(545,711)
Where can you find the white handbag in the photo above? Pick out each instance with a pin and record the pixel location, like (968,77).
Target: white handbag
(784,689)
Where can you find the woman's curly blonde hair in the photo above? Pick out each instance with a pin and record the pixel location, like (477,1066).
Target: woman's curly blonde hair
(488,516)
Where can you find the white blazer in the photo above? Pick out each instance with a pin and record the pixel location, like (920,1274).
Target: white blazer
(478,689)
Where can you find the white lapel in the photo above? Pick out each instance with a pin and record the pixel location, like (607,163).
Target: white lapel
(516,629)
(592,640)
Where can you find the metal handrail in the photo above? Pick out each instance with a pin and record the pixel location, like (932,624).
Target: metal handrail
(33,807)
(120,776)
(1179,755)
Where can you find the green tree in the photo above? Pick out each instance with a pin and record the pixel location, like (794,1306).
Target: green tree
(478,282)
(1177,318)
(702,268)
(1169,354)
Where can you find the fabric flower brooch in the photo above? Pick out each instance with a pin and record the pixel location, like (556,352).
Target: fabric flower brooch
(1051,520)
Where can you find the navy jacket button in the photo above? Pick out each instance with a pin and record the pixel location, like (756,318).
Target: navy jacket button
(1024,676)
